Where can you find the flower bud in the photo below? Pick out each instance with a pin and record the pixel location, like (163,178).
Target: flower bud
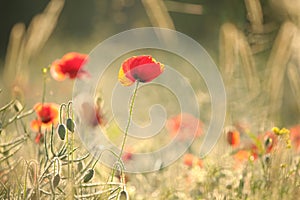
(56,180)
(88,176)
(70,125)
(61,131)
(123,195)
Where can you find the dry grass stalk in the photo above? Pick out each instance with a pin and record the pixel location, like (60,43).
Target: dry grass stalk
(159,17)
(255,15)
(42,26)
(248,65)
(186,8)
(293,74)
(158,14)
(15,41)
(228,49)
(235,51)
(277,64)
(24,45)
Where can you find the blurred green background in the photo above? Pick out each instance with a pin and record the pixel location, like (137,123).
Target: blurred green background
(84,20)
(83,24)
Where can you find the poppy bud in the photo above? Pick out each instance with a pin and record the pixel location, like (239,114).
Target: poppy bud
(70,125)
(61,131)
(268,159)
(268,142)
(233,138)
(88,176)
(18,106)
(123,195)
(56,180)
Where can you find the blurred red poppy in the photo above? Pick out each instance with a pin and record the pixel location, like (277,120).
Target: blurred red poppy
(47,115)
(270,141)
(242,156)
(70,65)
(295,137)
(184,126)
(139,68)
(263,144)
(92,114)
(190,160)
(233,138)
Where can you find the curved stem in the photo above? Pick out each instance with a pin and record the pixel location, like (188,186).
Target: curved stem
(60,112)
(129,118)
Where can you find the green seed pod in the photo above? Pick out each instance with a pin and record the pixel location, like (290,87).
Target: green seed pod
(88,176)
(56,180)
(18,106)
(70,125)
(61,131)
(267,159)
(123,195)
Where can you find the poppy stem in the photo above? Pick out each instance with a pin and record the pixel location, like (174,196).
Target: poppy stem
(129,118)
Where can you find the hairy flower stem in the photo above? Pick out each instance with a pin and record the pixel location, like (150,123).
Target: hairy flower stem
(129,118)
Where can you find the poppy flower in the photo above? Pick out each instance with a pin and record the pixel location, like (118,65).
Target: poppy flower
(92,115)
(190,160)
(270,141)
(47,115)
(241,156)
(184,126)
(295,137)
(139,68)
(263,144)
(70,65)
(233,138)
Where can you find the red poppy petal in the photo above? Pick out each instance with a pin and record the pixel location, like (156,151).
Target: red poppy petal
(47,115)
(82,74)
(241,156)
(184,126)
(69,65)
(145,72)
(142,68)
(123,78)
(233,138)
(56,73)
(188,159)
(35,125)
